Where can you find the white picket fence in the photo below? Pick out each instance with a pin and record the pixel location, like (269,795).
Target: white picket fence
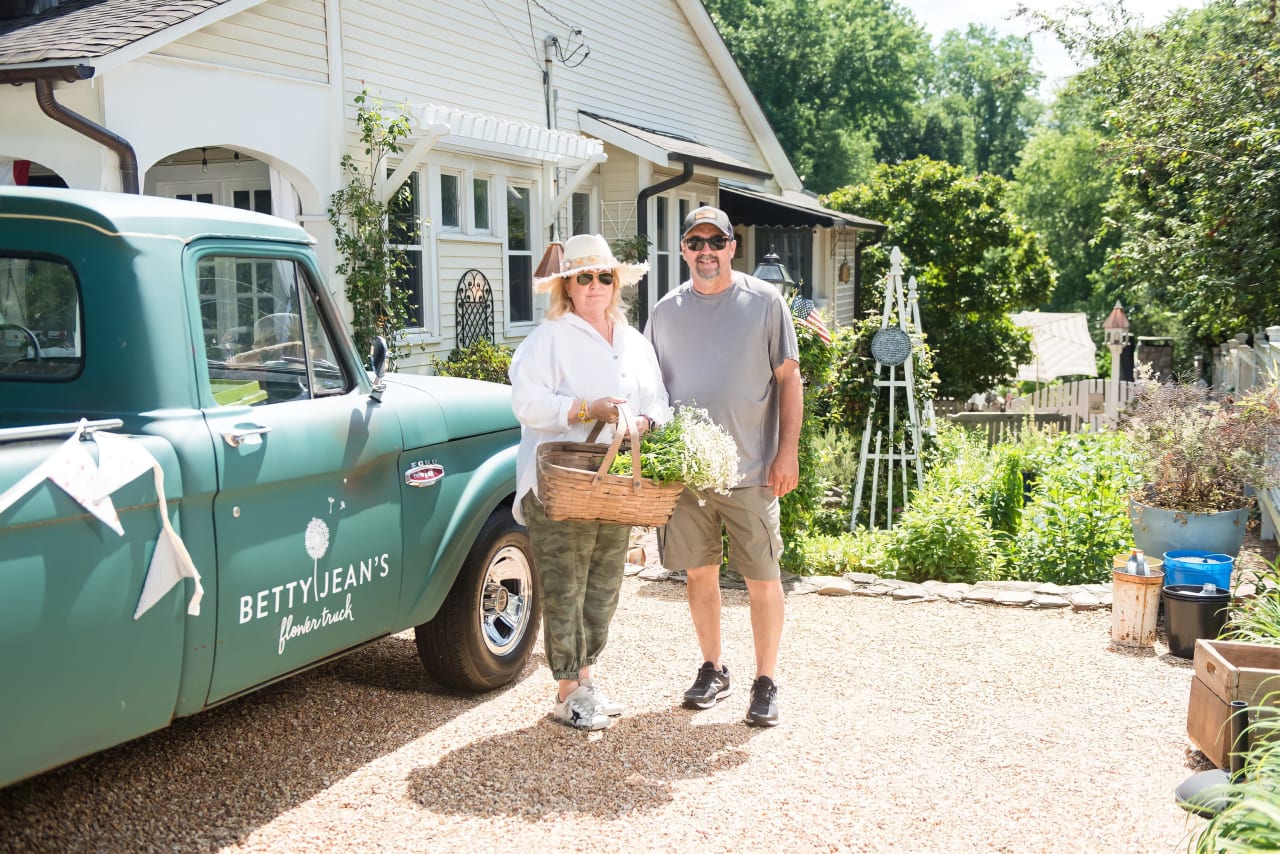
(1092,404)
(1239,366)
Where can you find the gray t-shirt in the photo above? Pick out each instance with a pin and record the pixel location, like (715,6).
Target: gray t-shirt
(719,353)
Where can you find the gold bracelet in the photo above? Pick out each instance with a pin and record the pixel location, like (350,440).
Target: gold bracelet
(582,412)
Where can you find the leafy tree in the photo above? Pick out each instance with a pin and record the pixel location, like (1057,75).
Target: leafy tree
(992,78)
(1193,120)
(973,261)
(852,70)
(977,107)
(371,269)
(1059,190)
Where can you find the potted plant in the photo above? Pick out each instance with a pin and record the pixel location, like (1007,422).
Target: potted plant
(1198,454)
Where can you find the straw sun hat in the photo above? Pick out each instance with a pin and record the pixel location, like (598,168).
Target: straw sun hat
(591,253)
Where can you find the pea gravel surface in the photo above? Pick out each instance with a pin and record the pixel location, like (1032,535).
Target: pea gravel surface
(931,726)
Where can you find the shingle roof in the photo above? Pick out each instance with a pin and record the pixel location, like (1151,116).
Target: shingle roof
(86,29)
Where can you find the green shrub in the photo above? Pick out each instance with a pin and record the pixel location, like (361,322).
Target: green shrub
(796,509)
(944,536)
(482,360)
(836,554)
(1257,618)
(1077,518)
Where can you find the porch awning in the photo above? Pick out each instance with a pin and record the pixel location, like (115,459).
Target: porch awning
(494,135)
(791,210)
(661,148)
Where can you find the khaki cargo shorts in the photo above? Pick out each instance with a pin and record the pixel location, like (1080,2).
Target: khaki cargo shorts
(749,515)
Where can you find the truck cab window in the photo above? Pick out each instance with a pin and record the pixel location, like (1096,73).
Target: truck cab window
(264,336)
(40,330)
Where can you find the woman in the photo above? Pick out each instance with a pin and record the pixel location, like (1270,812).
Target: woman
(565,376)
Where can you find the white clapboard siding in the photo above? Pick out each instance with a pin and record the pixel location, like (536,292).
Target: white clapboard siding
(1084,400)
(282,37)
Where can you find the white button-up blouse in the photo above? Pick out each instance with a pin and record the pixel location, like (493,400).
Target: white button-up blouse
(565,361)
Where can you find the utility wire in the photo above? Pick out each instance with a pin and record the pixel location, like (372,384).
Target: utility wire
(532,56)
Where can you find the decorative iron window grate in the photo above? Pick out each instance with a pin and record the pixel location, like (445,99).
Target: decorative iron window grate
(474,309)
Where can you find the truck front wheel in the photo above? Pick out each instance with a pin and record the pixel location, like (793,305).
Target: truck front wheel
(484,632)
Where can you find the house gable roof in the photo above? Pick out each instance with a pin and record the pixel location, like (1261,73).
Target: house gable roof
(82,31)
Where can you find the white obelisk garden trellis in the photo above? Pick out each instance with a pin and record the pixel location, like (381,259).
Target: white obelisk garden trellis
(891,347)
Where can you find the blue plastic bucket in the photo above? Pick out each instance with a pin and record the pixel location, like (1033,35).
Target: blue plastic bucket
(1193,567)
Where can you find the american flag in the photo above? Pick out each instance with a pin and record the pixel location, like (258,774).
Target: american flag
(806,314)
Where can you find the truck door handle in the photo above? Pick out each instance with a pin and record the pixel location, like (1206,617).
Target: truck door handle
(247,435)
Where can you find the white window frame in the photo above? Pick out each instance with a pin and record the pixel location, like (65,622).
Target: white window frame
(521,327)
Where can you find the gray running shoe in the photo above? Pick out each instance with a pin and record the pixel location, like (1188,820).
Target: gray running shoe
(710,686)
(763,710)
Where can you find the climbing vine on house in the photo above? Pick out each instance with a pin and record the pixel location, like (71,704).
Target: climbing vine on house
(371,268)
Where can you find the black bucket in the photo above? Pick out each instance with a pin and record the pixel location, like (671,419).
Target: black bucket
(1194,611)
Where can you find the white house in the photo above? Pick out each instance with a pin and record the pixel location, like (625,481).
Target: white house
(530,119)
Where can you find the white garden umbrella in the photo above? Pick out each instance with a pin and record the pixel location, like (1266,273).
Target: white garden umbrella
(1060,346)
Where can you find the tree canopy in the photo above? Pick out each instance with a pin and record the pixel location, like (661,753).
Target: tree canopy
(829,75)
(973,262)
(1190,124)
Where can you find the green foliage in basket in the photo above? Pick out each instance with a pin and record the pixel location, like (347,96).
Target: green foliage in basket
(690,449)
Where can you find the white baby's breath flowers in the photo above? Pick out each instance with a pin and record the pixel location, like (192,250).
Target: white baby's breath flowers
(710,454)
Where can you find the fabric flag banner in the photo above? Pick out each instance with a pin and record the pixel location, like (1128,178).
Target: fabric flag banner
(120,461)
(14,172)
(806,313)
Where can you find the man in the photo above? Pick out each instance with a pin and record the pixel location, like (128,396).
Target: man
(726,343)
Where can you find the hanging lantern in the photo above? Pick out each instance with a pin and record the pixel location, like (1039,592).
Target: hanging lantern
(843,275)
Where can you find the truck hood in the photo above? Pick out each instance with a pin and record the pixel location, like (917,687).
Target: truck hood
(462,408)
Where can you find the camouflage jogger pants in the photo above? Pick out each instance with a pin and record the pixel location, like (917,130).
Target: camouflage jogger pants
(580,565)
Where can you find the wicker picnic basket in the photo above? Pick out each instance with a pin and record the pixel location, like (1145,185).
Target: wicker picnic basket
(574,483)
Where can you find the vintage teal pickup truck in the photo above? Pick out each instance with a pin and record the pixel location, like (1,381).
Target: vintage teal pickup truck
(202,488)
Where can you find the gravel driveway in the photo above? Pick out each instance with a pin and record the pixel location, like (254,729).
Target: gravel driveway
(917,727)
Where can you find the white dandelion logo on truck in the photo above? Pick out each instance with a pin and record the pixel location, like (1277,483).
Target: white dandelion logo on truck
(317,540)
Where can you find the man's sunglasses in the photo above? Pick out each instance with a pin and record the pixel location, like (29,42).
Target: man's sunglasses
(585,279)
(717,243)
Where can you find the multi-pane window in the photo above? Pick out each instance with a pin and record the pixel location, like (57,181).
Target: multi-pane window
(480,203)
(519,255)
(580,214)
(661,238)
(405,236)
(684,208)
(795,247)
(450,201)
(252,200)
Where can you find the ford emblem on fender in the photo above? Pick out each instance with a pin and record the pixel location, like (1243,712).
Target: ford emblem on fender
(424,474)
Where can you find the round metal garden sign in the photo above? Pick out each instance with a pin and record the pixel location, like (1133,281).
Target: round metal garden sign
(891,346)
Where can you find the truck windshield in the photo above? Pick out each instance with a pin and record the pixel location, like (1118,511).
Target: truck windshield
(39,320)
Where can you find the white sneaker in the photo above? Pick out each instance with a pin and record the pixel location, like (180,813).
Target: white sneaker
(579,710)
(602,701)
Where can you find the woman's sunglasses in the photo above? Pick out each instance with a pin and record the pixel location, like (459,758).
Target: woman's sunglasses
(585,279)
(695,244)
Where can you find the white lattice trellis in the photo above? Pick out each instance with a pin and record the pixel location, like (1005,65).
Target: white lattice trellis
(893,346)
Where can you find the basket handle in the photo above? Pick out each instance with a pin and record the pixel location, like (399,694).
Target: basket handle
(626,419)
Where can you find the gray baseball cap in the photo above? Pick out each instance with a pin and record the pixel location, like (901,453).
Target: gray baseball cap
(707,215)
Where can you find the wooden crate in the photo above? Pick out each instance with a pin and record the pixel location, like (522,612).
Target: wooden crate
(1227,671)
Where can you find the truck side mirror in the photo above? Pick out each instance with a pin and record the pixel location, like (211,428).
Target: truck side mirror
(378,366)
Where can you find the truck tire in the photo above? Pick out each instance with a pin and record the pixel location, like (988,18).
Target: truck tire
(485,630)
